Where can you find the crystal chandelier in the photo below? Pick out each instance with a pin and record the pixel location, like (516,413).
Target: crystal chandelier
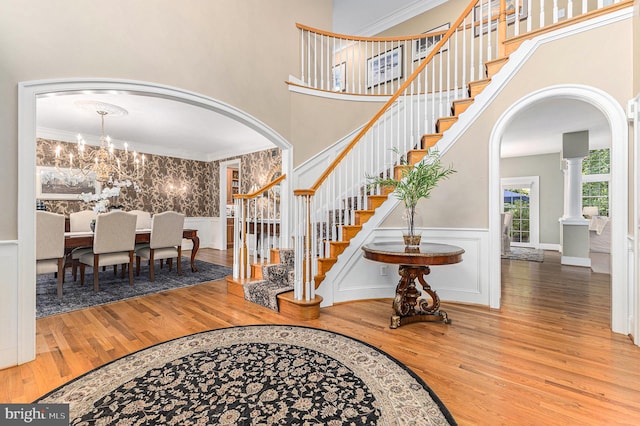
(108,164)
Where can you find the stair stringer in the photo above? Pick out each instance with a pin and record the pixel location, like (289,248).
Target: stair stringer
(353,253)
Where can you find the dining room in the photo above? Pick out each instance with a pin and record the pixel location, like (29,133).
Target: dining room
(145,179)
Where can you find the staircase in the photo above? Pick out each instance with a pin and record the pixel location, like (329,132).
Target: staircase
(413,156)
(265,275)
(422,108)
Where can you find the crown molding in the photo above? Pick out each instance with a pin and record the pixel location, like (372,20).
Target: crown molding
(94,140)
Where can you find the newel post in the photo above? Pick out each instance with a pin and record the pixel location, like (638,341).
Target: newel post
(304,288)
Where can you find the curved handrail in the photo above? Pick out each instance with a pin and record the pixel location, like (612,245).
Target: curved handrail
(261,190)
(360,38)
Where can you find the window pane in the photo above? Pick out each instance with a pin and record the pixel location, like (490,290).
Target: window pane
(516,201)
(596,193)
(596,163)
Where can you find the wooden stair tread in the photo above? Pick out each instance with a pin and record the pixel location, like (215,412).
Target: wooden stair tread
(478,86)
(481,81)
(375,201)
(444,123)
(415,155)
(493,66)
(339,243)
(461,105)
(430,139)
(318,279)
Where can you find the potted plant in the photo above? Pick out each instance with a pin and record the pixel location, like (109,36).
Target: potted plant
(415,183)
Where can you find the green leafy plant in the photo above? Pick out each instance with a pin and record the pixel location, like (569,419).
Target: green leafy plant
(416,183)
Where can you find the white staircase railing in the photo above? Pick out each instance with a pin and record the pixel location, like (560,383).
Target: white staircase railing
(325,212)
(256,228)
(379,65)
(421,93)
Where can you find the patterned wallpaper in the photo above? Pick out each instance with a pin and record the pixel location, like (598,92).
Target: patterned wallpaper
(202,179)
(256,167)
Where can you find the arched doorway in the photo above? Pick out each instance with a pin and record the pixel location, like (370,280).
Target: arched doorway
(28,92)
(615,116)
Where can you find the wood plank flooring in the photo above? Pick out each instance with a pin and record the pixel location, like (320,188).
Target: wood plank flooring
(547,357)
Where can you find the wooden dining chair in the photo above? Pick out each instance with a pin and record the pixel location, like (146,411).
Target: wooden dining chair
(165,242)
(50,246)
(113,244)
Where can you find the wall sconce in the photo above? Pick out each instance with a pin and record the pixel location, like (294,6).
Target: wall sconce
(174,190)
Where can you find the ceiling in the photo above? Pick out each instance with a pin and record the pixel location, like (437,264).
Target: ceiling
(539,128)
(152,125)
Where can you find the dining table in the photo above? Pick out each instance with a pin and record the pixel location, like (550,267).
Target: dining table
(85,239)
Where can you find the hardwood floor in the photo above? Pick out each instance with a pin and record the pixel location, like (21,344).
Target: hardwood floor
(547,357)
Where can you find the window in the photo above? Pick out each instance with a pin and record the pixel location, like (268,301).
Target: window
(595,180)
(521,197)
(516,201)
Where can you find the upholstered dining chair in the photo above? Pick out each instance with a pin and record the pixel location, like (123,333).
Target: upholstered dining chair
(113,244)
(165,242)
(80,222)
(50,246)
(143,220)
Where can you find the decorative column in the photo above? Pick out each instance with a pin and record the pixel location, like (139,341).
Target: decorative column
(574,235)
(573,188)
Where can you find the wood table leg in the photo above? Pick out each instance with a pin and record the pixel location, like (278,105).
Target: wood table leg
(196,245)
(408,297)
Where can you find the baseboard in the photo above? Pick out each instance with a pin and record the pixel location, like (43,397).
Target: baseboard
(576,261)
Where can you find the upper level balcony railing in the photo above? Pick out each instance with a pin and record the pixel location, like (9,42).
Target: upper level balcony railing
(379,65)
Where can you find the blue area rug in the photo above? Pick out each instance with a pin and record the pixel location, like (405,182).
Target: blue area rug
(114,288)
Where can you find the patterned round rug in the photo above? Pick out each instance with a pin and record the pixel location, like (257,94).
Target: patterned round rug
(251,375)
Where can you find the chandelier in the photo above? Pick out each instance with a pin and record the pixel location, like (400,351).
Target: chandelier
(109,165)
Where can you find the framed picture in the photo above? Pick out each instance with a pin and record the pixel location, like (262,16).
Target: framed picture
(339,77)
(495,10)
(64,183)
(423,46)
(384,67)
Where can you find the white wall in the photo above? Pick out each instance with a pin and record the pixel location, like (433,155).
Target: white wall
(358,278)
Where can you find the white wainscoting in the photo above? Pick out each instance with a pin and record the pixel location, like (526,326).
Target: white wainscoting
(9,304)
(208,232)
(468,281)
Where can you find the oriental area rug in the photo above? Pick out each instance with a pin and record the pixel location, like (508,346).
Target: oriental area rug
(114,288)
(253,375)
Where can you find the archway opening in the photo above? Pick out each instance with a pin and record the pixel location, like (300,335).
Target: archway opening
(28,93)
(612,113)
